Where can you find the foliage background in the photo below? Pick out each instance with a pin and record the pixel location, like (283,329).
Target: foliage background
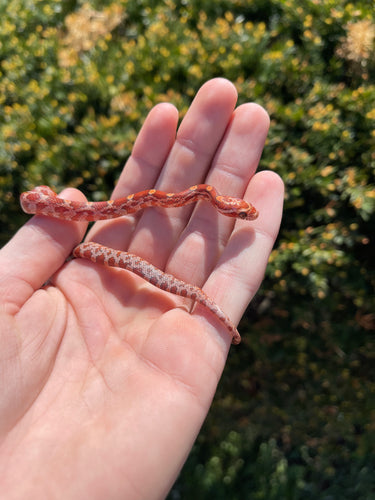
(294,416)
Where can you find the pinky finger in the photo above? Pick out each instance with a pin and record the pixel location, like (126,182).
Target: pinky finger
(241,268)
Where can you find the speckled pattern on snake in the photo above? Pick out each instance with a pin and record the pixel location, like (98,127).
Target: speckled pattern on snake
(43,201)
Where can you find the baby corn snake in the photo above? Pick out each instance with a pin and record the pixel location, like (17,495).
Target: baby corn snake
(43,201)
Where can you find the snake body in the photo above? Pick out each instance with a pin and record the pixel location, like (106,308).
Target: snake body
(168,282)
(42,200)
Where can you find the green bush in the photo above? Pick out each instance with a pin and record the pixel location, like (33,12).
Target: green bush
(294,415)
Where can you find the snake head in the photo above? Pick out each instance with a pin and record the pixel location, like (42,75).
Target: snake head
(235,207)
(248,213)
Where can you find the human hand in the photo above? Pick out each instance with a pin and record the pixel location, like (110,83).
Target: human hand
(107,380)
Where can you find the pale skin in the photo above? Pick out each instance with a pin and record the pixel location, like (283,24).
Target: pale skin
(106,380)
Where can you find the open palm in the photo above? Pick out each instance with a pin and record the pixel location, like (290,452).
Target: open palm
(105,379)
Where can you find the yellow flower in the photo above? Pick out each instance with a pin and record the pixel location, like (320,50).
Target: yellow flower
(87,26)
(358,45)
(327,171)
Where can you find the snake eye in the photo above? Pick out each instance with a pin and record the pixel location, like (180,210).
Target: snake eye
(242,215)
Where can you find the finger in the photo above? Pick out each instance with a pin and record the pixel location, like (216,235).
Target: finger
(241,267)
(197,140)
(239,153)
(37,250)
(141,171)
(235,163)
(199,135)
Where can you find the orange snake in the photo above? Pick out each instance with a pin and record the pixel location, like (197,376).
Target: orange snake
(43,201)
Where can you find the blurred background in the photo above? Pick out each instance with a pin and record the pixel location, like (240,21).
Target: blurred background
(294,416)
